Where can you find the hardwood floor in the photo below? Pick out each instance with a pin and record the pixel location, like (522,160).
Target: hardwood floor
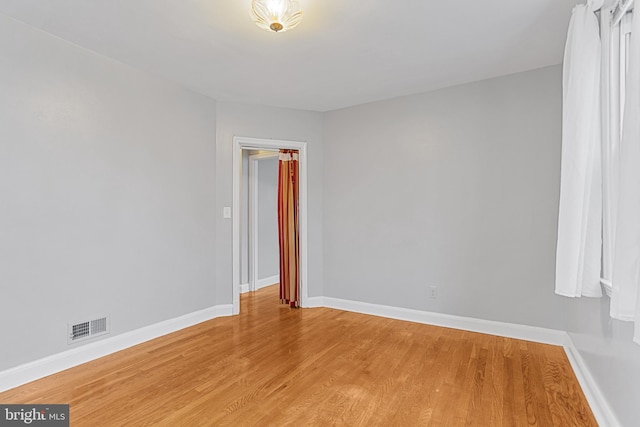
(273,365)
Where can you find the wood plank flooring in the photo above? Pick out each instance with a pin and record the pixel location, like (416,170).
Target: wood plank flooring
(274,366)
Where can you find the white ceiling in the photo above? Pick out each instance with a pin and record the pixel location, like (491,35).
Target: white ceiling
(345,52)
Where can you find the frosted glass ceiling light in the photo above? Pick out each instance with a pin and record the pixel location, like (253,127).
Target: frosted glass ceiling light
(276,15)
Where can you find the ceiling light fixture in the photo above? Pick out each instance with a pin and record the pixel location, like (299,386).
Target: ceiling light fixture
(276,15)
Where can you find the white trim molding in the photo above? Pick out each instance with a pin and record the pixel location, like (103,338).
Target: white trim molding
(315,302)
(510,330)
(49,365)
(261,283)
(599,406)
(267,281)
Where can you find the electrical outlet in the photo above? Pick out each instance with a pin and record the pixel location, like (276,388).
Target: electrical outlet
(433,292)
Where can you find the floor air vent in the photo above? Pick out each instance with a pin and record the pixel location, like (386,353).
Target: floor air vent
(89,329)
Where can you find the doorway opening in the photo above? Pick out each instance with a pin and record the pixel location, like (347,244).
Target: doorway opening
(243,143)
(259,251)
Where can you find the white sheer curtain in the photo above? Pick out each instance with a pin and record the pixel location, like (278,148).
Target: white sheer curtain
(625,298)
(578,256)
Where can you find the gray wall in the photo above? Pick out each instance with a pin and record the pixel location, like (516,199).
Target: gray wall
(112,184)
(107,202)
(237,119)
(268,251)
(456,188)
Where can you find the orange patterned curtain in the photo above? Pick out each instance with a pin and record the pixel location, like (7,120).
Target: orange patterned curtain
(288,228)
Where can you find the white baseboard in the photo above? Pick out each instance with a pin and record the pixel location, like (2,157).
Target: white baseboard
(510,330)
(37,369)
(599,406)
(262,283)
(314,302)
(267,281)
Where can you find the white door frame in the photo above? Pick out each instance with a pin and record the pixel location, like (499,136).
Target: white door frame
(254,172)
(243,143)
